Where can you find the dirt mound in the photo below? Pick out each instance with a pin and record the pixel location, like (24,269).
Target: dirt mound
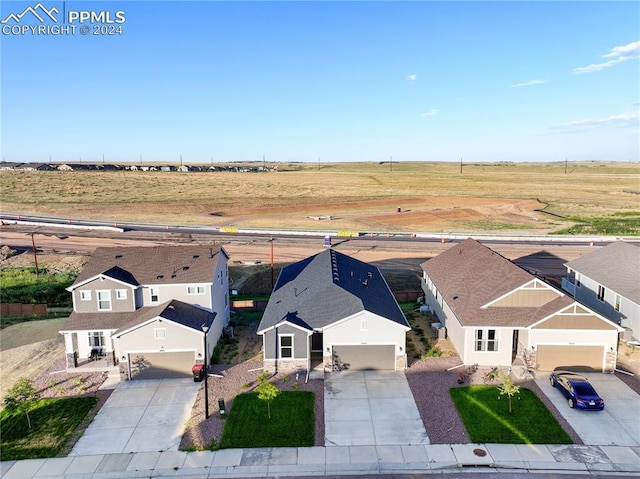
(6,252)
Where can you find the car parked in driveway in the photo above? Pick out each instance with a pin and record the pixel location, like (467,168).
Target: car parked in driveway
(577,389)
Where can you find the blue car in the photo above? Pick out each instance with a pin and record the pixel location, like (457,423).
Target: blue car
(577,389)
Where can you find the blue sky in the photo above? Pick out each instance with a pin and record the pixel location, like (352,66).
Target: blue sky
(339,81)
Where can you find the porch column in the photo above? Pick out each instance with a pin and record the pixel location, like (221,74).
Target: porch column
(71,356)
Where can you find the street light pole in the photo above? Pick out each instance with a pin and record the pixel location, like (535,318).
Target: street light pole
(205,328)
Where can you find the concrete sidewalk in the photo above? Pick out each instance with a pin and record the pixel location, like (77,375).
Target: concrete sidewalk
(337,460)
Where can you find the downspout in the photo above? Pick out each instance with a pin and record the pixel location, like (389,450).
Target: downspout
(275,363)
(306,380)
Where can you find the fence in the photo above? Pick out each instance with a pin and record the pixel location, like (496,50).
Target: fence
(19,309)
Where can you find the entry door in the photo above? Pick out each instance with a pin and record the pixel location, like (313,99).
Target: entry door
(316,342)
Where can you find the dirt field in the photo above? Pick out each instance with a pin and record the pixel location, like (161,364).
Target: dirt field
(414,197)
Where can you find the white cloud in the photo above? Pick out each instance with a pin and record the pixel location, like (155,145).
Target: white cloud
(529,83)
(619,54)
(430,113)
(620,121)
(412,77)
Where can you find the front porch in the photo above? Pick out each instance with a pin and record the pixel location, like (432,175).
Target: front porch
(88,350)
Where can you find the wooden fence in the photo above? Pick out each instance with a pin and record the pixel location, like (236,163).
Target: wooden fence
(19,309)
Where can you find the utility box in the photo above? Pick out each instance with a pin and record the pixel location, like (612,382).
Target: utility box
(221,406)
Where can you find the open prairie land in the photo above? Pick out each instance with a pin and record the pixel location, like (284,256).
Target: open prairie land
(408,197)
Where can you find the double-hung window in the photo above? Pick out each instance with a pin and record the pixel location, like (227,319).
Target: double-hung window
(486,340)
(85,295)
(286,346)
(96,339)
(104,300)
(617,305)
(121,294)
(154,294)
(195,290)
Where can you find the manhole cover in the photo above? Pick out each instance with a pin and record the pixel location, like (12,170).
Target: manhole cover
(480,452)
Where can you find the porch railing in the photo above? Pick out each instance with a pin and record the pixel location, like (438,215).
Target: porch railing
(568,286)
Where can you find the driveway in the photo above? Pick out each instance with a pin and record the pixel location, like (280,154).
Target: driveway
(140,416)
(371,408)
(616,425)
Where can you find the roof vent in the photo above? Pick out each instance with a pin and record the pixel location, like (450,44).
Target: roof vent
(455,297)
(160,276)
(365,283)
(118,256)
(196,256)
(184,268)
(370,274)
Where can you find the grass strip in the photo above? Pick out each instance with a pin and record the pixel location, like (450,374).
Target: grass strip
(485,414)
(292,422)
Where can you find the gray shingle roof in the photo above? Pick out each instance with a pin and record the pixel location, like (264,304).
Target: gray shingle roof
(328,287)
(153,265)
(476,275)
(615,266)
(174,310)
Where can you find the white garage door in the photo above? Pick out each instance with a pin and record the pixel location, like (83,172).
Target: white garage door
(161,365)
(587,358)
(359,357)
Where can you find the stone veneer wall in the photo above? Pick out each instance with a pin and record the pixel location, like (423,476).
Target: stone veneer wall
(284,365)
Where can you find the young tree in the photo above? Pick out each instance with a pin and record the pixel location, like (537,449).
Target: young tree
(508,389)
(22,397)
(267,391)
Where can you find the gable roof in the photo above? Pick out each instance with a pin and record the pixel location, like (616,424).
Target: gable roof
(174,310)
(153,265)
(326,288)
(614,266)
(470,277)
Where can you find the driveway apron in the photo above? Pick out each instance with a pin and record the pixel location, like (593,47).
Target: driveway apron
(140,416)
(616,425)
(371,408)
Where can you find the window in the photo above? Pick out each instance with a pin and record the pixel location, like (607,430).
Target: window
(85,295)
(601,291)
(226,299)
(121,294)
(154,295)
(195,289)
(96,339)
(160,333)
(286,346)
(617,304)
(578,278)
(104,300)
(486,340)
(364,325)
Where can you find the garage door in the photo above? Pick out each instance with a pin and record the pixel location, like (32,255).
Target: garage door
(357,357)
(586,358)
(161,365)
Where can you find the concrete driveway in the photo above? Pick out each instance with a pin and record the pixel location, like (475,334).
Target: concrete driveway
(617,425)
(142,415)
(371,408)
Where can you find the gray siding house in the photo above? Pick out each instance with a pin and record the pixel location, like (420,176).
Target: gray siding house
(143,308)
(608,281)
(333,310)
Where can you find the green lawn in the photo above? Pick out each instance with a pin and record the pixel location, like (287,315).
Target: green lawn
(487,418)
(292,421)
(53,421)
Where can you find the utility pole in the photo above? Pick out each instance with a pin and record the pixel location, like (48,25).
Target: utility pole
(391,163)
(318,163)
(264,164)
(180,160)
(565,165)
(460,165)
(271,241)
(35,255)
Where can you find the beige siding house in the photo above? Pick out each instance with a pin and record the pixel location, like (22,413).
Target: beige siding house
(334,311)
(143,308)
(497,314)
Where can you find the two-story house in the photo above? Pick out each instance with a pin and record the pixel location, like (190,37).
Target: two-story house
(608,281)
(146,309)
